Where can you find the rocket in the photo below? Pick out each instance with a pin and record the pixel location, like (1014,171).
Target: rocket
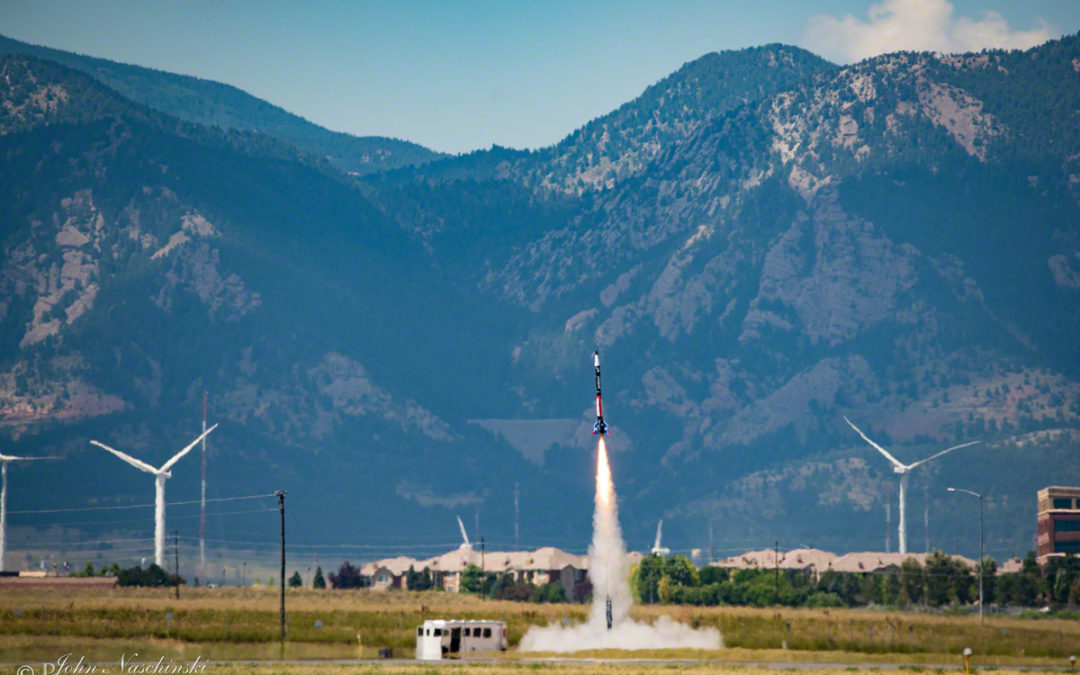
(600,428)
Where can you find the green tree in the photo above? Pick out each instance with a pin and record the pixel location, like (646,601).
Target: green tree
(939,581)
(889,588)
(647,578)
(472,579)
(712,574)
(550,592)
(664,588)
(1060,587)
(1074,592)
(295,581)
(500,590)
(1028,584)
(151,576)
(347,576)
(318,581)
(911,582)
(681,571)
(418,581)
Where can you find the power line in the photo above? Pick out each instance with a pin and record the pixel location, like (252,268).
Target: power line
(142,506)
(143,520)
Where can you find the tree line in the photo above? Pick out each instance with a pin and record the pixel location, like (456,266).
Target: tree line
(942,581)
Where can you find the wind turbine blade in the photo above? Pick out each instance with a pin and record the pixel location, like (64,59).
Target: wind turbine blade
(659,527)
(13,458)
(955,447)
(879,448)
(177,456)
(137,463)
(463,535)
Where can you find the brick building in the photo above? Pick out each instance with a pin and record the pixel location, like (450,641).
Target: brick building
(1058,521)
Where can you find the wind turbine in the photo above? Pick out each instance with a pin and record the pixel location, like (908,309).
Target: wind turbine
(903,470)
(4,459)
(657,549)
(160,476)
(464,536)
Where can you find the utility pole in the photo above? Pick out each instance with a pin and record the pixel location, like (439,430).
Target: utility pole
(888,517)
(281,501)
(926,520)
(776,563)
(176,551)
(976,494)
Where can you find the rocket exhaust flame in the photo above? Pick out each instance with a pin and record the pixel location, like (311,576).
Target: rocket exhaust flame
(609,624)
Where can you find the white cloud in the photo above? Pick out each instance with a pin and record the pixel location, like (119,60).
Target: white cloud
(920,25)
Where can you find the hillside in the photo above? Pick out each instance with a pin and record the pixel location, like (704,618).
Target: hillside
(760,244)
(143,265)
(220,105)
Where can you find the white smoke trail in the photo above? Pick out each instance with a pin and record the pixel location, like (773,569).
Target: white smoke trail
(610,575)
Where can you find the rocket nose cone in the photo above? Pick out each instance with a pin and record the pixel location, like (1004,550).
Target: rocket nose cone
(596,359)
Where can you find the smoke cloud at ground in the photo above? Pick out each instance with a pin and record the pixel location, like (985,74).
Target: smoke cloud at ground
(610,576)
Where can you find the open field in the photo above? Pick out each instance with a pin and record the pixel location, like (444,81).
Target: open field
(40,624)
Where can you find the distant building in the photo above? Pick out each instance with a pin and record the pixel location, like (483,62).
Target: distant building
(819,562)
(545,565)
(1058,521)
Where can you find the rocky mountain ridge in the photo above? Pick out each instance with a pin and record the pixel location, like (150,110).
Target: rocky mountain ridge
(220,105)
(791,243)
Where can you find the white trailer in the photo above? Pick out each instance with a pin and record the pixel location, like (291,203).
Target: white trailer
(438,638)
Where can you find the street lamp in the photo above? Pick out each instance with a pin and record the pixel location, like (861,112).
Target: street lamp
(976,494)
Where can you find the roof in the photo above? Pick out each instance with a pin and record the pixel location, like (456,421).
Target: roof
(396,566)
(542,559)
(799,559)
(821,561)
(1059,491)
(439,623)
(57,581)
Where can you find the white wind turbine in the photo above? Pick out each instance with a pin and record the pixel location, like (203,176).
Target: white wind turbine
(903,470)
(160,476)
(657,549)
(4,459)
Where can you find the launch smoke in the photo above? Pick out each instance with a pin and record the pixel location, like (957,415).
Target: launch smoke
(610,575)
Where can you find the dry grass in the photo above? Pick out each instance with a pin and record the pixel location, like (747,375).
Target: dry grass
(582,668)
(243,623)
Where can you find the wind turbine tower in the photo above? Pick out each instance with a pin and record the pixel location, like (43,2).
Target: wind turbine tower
(657,549)
(160,476)
(464,536)
(4,459)
(202,503)
(904,470)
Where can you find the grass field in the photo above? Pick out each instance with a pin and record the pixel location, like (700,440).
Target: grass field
(40,624)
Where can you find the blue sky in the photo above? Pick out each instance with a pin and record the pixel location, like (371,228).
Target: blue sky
(458,76)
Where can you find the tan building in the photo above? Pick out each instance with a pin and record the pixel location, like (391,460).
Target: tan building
(818,561)
(543,566)
(1058,521)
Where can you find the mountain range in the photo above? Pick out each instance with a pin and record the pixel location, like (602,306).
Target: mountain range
(759,245)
